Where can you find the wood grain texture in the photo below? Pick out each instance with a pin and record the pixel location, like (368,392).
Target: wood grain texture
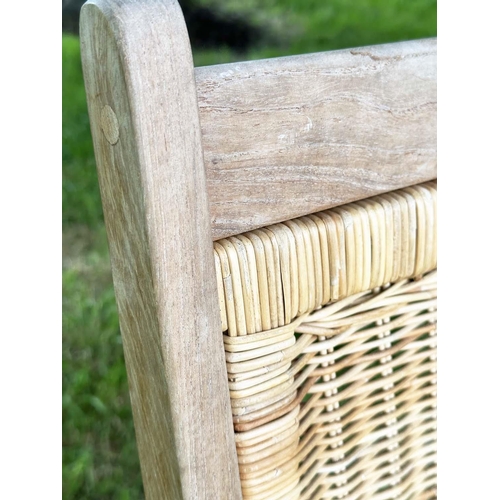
(141,94)
(290,136)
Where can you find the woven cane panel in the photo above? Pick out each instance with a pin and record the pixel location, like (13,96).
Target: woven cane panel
(330,335)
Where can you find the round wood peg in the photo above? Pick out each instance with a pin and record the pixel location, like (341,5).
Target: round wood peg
(109,124)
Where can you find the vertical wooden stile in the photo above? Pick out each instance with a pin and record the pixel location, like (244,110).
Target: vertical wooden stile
(143,108)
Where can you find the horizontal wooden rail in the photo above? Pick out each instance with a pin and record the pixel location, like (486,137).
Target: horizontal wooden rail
(289,136)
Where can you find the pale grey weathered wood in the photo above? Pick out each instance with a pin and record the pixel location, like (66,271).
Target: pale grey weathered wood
(141,94)
(289,136)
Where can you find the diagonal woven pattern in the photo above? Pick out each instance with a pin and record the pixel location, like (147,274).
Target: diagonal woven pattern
(330,339)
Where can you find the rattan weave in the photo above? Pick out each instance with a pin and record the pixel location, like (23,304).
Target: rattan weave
(330,335)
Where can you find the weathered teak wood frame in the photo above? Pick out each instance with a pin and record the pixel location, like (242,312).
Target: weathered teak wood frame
(187,156)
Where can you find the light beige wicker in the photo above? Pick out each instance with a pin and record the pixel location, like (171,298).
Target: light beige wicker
(330,344)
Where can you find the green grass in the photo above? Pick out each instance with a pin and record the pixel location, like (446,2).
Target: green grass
(81,202)
(99,452)
(301,26)
(99,455)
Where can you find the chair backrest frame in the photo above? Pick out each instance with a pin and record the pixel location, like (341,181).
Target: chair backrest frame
(165,200)
(141,95)
(289,136)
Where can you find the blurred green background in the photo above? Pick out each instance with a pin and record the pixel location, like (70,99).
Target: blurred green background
(99,452)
